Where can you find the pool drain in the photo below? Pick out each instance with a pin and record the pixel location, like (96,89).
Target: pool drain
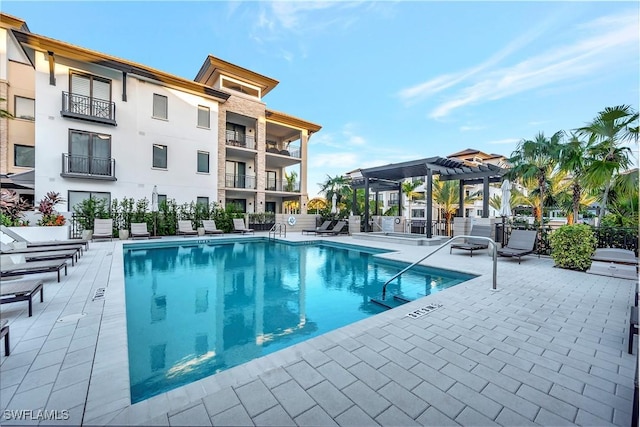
(99,294)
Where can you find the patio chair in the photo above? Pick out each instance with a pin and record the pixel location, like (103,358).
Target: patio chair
(633,326)
(470,244)
(11,269)
(22,290)
(17,238)
(521,243)
(71,254)
(186,229)
(238,226)
(615,255)
(4,333)
(103,229)
(210,227)
(337,229)
(139,230)
(325,226)
(15,249)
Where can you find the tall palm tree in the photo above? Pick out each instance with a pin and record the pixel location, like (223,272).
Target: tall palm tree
(534,160)
(409,190)
(445,194)
(338,185)
(607,134)
(574,162)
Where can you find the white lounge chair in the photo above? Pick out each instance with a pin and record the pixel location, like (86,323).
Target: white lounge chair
(185,228)
(239,227)
(210,227)
(139,230)
(103,229)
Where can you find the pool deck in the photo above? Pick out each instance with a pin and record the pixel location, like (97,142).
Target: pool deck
(549,347)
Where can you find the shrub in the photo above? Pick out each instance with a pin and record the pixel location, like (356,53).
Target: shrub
(88,210)
(572,246)
(50,217)
(11,207)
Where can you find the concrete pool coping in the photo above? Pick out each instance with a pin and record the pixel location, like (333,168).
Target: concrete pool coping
(477,311)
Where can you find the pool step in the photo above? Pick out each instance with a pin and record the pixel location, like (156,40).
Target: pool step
(393,302)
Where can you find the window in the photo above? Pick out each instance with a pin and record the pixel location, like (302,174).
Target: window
(89,153)
(159,156)
(77,197)
(417,213)
(479,212)
(203,117)
(160,106)
(90,96)
(202,201)
(25,108)
(162,198)
(271,180)
(203,162)
(24,156)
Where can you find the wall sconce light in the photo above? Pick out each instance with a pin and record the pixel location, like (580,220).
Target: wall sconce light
(261,202)
(249,203)
(249,167)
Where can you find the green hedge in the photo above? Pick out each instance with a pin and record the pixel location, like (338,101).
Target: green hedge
(572,246)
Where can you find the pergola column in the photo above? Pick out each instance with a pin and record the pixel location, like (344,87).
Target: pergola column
(429,181)
(485,197)
(366,205)
(400,198)
(461,199)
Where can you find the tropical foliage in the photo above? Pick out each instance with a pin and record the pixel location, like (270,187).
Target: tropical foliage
(46,207)
(572,246)
(11,208)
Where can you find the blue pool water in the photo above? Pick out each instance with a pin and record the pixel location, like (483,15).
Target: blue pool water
(193,311)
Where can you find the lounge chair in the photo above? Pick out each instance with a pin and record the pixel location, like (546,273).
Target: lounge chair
(185,228)
(71,254)
(337,229)
(4,332)
(470,244)
(238,226)
(325,226)
(22,290)
(633,326)
(521,243)
(139,230)
(210,227)
(18,238)
(103,229)
(615,255)
(11,250)
(10,269)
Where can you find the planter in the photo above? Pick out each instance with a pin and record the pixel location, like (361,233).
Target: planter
(200,231)
(87,234)
(123,234)
(41,234)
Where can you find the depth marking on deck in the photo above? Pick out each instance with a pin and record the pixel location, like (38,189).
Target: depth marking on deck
(422,311)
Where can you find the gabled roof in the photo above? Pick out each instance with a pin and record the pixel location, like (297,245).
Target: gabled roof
(8,21)
(213,67)
(67,50)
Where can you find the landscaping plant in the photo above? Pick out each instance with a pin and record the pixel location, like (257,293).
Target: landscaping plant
(572,246)
(50,217)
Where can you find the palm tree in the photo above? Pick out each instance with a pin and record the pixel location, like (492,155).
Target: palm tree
(338,185)
(317,203)
(534,160)
(409,190)
(445,194)
(607,134)
(574,162)
(291,180)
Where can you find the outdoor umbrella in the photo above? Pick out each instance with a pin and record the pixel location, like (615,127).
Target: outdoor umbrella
(154,206)
(334,203)
(505,206)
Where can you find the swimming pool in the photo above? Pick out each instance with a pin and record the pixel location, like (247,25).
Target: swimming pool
(196,309)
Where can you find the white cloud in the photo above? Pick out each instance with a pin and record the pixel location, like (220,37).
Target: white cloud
(471,128)
(601,44)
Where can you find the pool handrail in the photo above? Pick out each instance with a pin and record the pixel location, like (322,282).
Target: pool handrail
(277,228)
(494,253)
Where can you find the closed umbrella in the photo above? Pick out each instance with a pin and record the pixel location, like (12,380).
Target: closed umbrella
(505,205)
(154,206)
(334,203)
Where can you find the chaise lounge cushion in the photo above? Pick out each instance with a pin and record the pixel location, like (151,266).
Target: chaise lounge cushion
(21,290)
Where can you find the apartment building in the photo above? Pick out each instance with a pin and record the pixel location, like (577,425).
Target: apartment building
(110,128)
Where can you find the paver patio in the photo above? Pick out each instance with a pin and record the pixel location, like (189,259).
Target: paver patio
(549,347)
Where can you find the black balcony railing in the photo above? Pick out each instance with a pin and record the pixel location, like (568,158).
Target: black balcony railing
(238,139)
(88,108)
(282,185)
(76,166)
(240,181)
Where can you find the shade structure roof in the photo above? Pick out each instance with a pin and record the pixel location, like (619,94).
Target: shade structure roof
(18,181)
(447,169)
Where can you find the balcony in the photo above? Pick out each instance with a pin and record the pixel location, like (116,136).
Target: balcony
(283,185)
(82,107)
(237,139)
(240,181)
(77,166)
(290,151)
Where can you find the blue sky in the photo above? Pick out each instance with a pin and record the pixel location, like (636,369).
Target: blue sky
(387,81)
